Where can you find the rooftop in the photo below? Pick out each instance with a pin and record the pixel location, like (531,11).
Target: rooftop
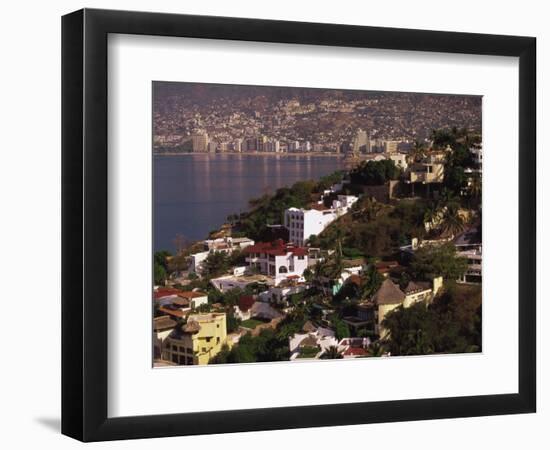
(388,294)
(163,323)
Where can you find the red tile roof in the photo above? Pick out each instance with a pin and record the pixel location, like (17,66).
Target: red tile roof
(355,351)
(165,292)
(276,248)
(245,302)
(191,294)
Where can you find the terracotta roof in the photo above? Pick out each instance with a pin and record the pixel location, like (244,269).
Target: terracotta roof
(163,323)
(245,302)
(182,302)
(275,248)
(299,251)
(165,292)
(191,294)
(174,312)
(388,294)
(355,351)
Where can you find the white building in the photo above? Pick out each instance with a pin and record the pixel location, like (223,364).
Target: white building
(477,153)
(474,256)
(227,244)
(320,337)
(343,203)
(224,245)
(399,159)
(278,260)
(303,223)
(196,261)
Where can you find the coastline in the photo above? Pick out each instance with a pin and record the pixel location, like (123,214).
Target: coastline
(284,155)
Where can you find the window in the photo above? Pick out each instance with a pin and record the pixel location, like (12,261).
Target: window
(189,361)
(174,348)
(217,340)
(208,339)
(283,269)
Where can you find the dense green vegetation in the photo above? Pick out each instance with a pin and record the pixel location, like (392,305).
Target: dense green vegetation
(370,173)
(160,266)
(267,346)
(452,324)
(269,209)
(434,261)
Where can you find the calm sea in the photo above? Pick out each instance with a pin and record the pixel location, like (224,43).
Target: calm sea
(194,194)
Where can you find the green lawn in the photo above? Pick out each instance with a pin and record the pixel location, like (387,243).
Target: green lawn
(308,352)
(251,323)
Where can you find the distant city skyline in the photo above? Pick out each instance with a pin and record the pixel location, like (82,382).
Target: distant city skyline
(201,117)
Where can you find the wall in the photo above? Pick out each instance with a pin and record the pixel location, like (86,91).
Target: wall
(30,186)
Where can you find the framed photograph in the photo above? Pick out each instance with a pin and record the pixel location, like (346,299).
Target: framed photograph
(293,225)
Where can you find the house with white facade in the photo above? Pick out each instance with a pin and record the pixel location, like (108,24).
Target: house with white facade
(304,223)
(311,337)
(343,203)
(278,260)
(224,245)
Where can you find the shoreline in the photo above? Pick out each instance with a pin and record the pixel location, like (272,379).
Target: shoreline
(284,155)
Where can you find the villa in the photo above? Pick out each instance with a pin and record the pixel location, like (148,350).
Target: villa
(198,341)
(371,313)
(277,260)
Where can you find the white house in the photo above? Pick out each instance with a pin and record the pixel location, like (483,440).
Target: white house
(224,245)
(303,223)
(278,260)
(343,203)
(227,244)
(311,336)
(196,261)
(278,294)
(195,298)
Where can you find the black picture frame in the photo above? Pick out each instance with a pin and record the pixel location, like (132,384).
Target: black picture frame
(84,224)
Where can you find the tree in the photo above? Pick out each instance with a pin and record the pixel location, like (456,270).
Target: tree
(372,282)
(216,263)
(452,222)
(159,273)
(372,173)
(341,329)
(431,261)
(452,324)
(332,353)
(417,152)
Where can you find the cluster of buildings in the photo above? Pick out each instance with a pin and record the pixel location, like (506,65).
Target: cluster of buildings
(274,119)
(188,330)
(360,143)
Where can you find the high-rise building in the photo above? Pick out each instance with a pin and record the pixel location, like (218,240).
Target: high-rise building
(361,142)
(237,145)
(390,146)
(200,142)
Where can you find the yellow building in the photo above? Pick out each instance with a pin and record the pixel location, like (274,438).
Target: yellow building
(198,341)
(390,297)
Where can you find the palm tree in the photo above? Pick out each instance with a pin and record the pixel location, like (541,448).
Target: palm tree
(431,214)
(417,152)
(332,353)
(377,349)
(452,222)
